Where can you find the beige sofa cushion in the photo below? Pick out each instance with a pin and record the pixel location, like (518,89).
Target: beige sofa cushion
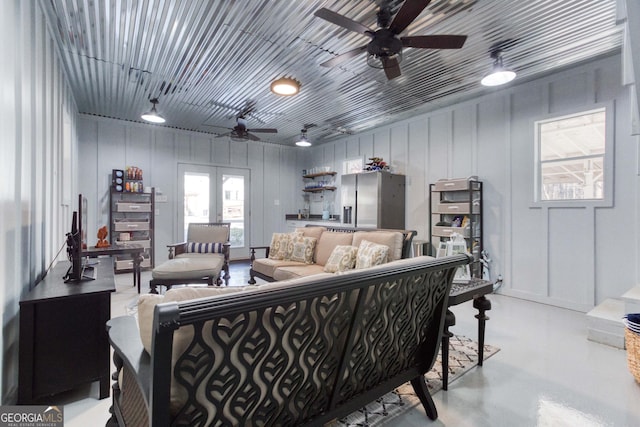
(371,254)
(268,266)
(297,271)
(392,239)
(328,241)
(342,258)
(311,231)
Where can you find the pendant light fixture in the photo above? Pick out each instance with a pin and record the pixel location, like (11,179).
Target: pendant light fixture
(499,74)
(303,141)
(285,86)
(153,116)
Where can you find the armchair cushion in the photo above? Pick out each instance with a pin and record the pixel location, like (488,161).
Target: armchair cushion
(205,248)
(370,254)
(189,266)
(207,233)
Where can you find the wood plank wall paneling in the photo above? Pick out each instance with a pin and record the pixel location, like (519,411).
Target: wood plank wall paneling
(532,247)
(490,136)
(107,144)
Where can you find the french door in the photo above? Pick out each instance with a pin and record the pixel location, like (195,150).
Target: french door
(215,194)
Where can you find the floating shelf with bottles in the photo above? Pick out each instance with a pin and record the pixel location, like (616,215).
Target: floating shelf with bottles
(313,185)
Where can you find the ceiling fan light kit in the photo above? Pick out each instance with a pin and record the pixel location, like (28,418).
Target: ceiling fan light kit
(499,74)
(285,86)
(153,116)
(382,62)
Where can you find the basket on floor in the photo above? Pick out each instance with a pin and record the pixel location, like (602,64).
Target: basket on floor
(632,342)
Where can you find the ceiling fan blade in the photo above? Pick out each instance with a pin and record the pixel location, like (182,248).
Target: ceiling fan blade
(434,42)
(343,21)
(391,67)
(263,130)
(407,13)
(336,60)
(251,137)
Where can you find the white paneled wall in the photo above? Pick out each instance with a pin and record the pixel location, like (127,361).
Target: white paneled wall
(570,257)
(106,144)
(573,257)
(38,166)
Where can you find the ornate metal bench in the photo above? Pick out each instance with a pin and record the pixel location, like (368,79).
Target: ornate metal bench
(299,352)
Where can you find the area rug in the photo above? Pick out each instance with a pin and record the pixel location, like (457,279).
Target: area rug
(463,356)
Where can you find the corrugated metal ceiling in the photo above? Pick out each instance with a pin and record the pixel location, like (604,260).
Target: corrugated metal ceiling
(206,60)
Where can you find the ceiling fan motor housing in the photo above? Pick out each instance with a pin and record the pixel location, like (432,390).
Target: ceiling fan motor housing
(384,44)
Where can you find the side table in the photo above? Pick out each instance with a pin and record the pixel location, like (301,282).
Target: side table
(475,289)
(130,248)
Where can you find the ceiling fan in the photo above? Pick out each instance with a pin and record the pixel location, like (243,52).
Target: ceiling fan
(385,48)
(241,132)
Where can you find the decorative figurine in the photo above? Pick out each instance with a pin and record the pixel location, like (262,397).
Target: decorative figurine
(102,234)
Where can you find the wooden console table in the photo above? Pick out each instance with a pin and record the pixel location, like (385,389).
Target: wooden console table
(63,337)
(135,250)
(475,290)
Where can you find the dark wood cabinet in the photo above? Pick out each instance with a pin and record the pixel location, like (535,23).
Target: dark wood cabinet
(63,338)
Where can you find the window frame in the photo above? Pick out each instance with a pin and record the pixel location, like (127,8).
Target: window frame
(608,164)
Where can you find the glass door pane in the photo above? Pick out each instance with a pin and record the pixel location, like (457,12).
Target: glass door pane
(234,191)
(197,189)
(197,196)
(233,207)
(215,194)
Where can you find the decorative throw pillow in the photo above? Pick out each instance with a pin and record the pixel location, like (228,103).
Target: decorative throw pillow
(278,246)
(205,248)
(301,248)
(370,254)
(342,258)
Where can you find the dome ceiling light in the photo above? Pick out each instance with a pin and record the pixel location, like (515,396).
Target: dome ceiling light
(285,86)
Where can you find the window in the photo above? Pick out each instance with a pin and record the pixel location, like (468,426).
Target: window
(571,156)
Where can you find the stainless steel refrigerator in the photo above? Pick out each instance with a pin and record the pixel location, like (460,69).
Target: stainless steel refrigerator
(373,200)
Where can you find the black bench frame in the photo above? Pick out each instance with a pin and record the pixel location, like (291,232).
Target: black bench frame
(363,334)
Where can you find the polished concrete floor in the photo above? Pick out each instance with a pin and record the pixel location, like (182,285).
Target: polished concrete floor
(546,374)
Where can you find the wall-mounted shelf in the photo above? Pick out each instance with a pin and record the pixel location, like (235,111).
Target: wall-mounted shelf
(318,189)
(315,175)
(320,185)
